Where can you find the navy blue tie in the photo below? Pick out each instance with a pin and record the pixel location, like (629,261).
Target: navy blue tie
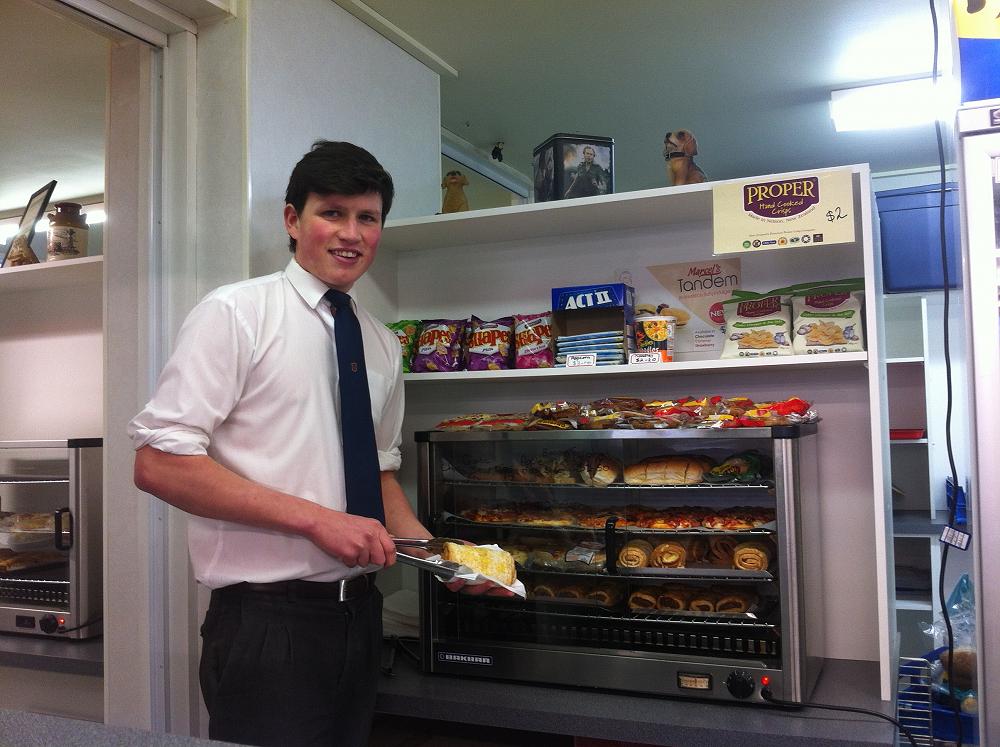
(362,477)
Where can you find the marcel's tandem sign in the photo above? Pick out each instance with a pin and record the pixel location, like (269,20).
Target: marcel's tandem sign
(804,211)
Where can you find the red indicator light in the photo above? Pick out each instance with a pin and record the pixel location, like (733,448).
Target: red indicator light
(62,620)
(765,681)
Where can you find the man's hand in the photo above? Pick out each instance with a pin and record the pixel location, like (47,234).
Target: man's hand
(355,540)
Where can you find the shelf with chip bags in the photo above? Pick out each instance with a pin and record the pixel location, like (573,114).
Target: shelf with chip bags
(831,360)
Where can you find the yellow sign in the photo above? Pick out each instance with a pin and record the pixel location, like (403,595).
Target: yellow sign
(977,20)
(787,213)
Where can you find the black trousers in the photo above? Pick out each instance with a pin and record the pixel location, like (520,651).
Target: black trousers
(281,670)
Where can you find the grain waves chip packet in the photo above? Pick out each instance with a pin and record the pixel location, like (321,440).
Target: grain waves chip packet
(533,340)
(490,345)
(439,345)
(406,331)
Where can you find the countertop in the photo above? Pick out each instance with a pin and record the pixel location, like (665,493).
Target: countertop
(18,729)
(53,654)
(644,719)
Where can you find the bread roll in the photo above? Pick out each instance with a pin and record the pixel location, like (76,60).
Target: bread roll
(494,563)
(735,602)
(752,556)
(666,470)
(635,554)
(599,470)
(963,667)
(605,594)
(703,601)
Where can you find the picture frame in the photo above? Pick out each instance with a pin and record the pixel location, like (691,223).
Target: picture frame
(33,213)
(567,166)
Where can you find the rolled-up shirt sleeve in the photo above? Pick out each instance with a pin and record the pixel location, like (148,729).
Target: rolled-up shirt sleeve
(201,382)
(389,427)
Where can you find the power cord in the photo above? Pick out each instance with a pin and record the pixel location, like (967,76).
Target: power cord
(946,338)
(92,621)
(769,697)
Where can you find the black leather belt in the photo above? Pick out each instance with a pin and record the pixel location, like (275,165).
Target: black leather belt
(340,591)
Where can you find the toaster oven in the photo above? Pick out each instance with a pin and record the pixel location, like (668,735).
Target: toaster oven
(50,537)
(673,562)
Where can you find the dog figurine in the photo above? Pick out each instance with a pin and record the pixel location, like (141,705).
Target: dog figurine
(679,150)
(454,184)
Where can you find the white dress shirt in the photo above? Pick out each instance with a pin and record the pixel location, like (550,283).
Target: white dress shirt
(252,383)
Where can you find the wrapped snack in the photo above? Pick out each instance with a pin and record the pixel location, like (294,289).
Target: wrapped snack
(744,467)
(439,346)
(504,422)
(533,340)
(461,422)
(827,319)
(586,557)
(635,554)
(757,326)
(490,344)
(406,331)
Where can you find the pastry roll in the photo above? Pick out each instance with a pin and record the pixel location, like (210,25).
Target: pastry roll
(519,553)
(669,554)
(720,550)
(572,592)
(543,591)
(673,598)
(643,600)
(704,601)
(635,554)
(735,602)
(492,562)
(697,549)
(605,594)
(751,556)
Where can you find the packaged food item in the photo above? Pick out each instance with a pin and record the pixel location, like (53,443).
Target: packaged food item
(533,340)
(406,331)
(655,334)
(439,346)
(828,320)
(490,344)
(757,326)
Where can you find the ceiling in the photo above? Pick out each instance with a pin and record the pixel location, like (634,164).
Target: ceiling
(750,78)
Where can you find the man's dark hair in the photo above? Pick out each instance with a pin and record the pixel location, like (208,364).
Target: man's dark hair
(337,168)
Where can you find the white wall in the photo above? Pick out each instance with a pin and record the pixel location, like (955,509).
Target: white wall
(315,72)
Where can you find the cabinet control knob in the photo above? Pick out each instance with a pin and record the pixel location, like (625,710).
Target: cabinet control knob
(48,623)
(740,684)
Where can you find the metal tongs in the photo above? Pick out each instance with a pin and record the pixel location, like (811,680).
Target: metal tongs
(445,569)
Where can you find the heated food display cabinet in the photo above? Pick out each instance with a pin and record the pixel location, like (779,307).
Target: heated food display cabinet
(646,569)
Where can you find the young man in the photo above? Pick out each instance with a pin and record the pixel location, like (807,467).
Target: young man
(244,433)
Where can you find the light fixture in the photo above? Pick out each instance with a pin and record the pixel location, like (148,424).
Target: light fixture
(903,103)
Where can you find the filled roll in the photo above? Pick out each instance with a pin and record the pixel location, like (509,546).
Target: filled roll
(492,562)
(673,598)
(735,602)
(635,554)
(703,600)
(667,470)
(571,592)
(752,556)
(643,600)
(697,549)
(605,594)
(669,554)
(543,591)
(720,550)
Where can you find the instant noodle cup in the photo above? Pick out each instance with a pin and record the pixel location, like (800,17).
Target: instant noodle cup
(655,334)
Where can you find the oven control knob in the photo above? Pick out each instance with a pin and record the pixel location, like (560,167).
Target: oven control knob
(48,623)
(740,684)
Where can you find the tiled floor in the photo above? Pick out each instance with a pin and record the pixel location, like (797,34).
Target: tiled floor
(404,732)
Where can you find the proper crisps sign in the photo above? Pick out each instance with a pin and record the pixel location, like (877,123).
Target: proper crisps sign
(784,213)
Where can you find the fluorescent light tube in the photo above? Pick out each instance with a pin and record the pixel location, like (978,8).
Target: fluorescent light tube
(883,106)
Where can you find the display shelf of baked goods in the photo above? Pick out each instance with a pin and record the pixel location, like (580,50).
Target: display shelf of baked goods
(737,365)
(49,275)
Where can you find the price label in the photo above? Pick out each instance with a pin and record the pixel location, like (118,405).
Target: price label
(955,537)
(634,358)
(581,359)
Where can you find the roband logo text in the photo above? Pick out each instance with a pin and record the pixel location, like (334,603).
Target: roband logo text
(465,658)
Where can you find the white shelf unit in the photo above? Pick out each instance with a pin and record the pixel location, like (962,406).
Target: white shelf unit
(496,262)
(51,275)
